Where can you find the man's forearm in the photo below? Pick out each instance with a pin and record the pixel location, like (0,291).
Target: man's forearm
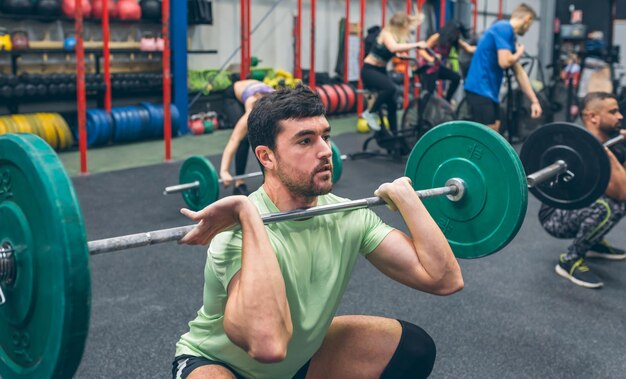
(524,83)
(258,317)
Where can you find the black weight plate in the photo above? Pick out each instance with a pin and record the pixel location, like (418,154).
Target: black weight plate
(585,158)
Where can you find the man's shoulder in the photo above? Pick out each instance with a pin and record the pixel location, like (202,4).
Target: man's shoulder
(502,27)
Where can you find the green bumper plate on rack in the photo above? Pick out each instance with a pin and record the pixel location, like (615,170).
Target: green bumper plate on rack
(493,206)
(199,169)
(337,163)
(46,315)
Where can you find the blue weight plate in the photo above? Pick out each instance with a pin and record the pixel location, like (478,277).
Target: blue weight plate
(144,118)
(135,122)
(92,128)
(175,120)
(107,129)
(120,132)
(154,126)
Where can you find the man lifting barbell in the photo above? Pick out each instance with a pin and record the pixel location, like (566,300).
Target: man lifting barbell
(271,297)
(458,168)
(588,226)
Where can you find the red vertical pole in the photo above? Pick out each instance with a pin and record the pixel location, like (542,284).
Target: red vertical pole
(500,10)
(384,13)
(298,35)
(312,69)
(405,97)
(167,81)
(416,89)
(359,103)
(442,13)
(442,22)
(474,15)
(106,55)
(244,40)
(249,38)
(81,95)
(346,41)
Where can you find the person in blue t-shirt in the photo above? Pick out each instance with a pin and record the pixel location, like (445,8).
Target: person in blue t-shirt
(498,50)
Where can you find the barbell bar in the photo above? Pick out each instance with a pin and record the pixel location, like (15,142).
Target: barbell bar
(476,192)
(200,183)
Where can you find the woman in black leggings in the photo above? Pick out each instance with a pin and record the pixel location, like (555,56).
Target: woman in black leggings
(391,40)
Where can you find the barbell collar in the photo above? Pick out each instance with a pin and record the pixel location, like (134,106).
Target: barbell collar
(7,266)
(181,187)
(546,173)
(174,234)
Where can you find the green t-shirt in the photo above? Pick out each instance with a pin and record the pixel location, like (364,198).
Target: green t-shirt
(316,257)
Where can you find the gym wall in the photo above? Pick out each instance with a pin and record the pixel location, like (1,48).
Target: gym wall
(273,41)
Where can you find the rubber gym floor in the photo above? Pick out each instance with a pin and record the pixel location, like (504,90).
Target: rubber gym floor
(515,318)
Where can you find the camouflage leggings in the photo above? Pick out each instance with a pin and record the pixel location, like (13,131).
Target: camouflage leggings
(587,226)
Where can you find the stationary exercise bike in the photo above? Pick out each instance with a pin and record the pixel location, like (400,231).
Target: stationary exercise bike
(416,120)
(425,111)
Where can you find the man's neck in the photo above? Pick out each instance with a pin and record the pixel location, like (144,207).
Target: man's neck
(516,23)
(598,133)
(284,199)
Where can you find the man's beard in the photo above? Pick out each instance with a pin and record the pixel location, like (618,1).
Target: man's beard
(308,188)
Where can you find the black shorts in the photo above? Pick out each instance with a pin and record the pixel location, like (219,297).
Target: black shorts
(483,109)
(183,365)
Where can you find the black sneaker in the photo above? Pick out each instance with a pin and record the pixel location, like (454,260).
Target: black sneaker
(577,272)
(241,189)
(606,251)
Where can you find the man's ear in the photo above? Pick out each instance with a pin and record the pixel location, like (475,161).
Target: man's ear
(266,157)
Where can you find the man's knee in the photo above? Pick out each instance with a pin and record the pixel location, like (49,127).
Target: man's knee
(415,355)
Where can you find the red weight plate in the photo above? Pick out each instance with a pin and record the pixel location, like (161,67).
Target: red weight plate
(324,98)
(333,98)
(343,98)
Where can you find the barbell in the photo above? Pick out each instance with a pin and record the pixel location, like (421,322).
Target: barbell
(200,183)
(476,191)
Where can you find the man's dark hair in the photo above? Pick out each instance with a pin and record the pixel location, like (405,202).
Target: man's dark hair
(284,104)
(595,96)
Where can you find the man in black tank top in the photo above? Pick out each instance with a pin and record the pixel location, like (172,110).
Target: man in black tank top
(588,226)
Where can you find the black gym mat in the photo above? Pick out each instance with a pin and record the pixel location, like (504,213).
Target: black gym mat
(514,319)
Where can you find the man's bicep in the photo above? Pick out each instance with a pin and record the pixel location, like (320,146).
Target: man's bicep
(395,257)
(504,57)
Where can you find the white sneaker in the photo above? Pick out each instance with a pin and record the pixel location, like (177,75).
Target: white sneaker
(371,120)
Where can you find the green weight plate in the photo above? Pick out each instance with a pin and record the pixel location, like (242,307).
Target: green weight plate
(493,207)
(199,169)
(337,163)
(46,315)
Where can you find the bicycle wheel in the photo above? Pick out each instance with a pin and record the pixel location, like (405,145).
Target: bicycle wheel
(463,111)
(410,128)
(437,111)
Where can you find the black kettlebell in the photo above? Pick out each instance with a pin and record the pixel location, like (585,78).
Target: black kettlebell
(42,89)
(6,91)
(151,9)
(53,89)
(17,6)
(62,89)
(48,7)
(31,90)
